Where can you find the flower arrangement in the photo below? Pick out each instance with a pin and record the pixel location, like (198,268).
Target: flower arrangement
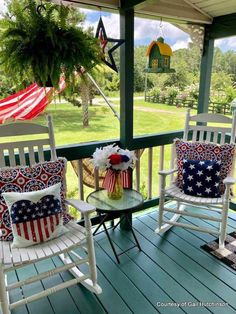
(113,157)
(116,161)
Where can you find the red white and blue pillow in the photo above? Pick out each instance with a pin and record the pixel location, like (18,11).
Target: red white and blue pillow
(204,151)
(27,179)
(36,216)
(201,178)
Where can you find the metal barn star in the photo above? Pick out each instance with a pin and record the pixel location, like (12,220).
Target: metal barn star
(104,40)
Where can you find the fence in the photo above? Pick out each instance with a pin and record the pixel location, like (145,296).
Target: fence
(214,107)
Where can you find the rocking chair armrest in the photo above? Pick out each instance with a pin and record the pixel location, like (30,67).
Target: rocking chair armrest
(229,181)
(167,172)
(81,206)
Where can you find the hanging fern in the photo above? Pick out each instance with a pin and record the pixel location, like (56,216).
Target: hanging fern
(41,44)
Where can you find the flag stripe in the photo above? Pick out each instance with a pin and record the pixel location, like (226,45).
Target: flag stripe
(36,231)
(33,235)
(39,230)
(42,226)
(25,231)
(51,224)
(46,226)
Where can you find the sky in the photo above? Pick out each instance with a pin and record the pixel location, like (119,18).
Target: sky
(146,30)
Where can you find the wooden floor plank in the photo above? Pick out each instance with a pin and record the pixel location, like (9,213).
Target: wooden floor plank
(40,306)
(183,271)
(140,279)
(16,294)
(195,241)
(224,270)
(84,299)
(60,298)
(175,292)
(199,268)
(137,302)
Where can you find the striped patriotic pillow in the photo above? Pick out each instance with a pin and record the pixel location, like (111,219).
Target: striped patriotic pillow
(36,216)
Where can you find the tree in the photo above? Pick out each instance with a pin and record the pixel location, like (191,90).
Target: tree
(84,92)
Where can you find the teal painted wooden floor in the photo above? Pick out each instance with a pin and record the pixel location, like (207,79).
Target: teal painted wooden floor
(171,268)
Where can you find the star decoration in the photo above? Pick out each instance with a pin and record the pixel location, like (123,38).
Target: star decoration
(190,177)
(104,40)
(208,179)
(199,184)
(200,172)
(208,190)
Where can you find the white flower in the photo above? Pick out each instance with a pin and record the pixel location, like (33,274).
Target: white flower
(101,158)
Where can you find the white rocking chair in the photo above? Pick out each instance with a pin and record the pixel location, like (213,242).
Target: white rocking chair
(200,130)
(77,236)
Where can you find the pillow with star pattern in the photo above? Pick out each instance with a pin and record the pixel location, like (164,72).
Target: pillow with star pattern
(36,216)
(201,178)
(204,151)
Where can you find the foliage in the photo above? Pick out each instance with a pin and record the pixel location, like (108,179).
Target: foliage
(193,91)
(172,93)
(220,81)
(42,43)
(112,82)
(230,93)
(155,91)
(5,87)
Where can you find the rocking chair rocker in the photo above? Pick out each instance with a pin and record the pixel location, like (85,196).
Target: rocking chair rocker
(201,131)
(63,246)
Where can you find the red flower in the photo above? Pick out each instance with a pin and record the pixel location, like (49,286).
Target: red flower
(115,159)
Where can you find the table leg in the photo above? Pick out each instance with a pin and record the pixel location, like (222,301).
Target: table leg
(127,217)
(102,223)
(110,241)
(102,220)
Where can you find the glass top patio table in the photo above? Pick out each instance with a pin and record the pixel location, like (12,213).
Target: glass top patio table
(107,207)
(130,200)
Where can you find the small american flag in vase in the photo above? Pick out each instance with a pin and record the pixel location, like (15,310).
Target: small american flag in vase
(36,221)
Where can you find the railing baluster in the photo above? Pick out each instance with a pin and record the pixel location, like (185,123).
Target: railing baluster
(150,162)
(96,178)
(161,162)
(80,179)
(137,168)
(172,161)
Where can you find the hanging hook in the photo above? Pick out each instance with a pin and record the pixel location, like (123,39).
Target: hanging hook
(40,7)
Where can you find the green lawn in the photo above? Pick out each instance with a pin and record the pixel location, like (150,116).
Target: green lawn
(103,125)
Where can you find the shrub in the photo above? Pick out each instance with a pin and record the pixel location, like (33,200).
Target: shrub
(155,91)
(172,94)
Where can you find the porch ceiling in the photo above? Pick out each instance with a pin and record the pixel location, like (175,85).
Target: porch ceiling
(198,11)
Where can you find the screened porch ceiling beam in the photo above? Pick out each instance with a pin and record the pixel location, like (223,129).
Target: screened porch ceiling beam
(177,10)
(198,9)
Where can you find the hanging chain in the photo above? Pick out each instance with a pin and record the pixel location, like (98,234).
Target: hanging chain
(161,28)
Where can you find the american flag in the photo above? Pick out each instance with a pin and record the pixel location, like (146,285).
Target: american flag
(111,177)
(36,221)
(28,103)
